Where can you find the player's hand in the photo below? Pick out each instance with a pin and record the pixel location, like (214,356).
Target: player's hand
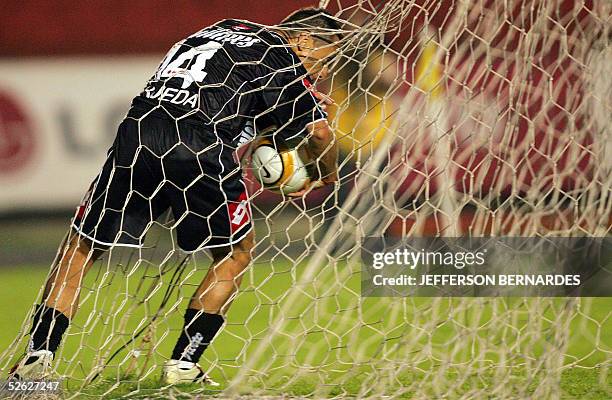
(308,187)
(324,99)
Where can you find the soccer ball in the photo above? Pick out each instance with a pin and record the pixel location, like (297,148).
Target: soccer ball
(278,168)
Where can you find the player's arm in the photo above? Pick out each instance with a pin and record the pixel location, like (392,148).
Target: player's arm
(323,148)
(298,111)
(324,136)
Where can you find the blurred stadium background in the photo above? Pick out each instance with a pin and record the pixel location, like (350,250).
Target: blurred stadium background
(69,69)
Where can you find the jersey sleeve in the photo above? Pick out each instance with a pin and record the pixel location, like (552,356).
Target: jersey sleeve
(287,99)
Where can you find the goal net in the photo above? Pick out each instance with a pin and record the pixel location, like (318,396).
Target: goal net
(452,119)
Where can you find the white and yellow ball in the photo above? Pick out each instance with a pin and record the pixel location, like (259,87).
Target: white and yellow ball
(277,168)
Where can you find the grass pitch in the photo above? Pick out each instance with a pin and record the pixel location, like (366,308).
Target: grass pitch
(312,348)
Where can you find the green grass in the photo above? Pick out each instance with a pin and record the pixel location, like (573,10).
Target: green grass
(324,337)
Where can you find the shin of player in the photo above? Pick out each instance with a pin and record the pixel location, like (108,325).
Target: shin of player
(210,302)
(59,303)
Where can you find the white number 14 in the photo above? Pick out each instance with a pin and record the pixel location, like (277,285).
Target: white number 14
(195,72)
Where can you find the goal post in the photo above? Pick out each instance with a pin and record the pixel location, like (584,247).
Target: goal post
(453,119)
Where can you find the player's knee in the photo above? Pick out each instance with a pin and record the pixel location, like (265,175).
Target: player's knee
(239,252)
(77,244)
(86,247)
(243,251)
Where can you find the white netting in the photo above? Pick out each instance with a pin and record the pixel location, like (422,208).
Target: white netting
(453,118)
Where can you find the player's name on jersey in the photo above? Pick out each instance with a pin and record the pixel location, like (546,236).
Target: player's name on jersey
(173,95)
(226,35)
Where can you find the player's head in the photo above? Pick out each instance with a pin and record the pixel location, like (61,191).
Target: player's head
(314,35)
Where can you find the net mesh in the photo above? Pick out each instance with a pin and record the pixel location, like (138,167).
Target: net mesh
(453,118)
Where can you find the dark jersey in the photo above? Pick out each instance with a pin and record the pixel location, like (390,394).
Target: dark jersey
(229,77)
(177,147)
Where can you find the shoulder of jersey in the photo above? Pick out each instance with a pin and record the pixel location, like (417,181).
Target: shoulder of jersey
(241,25)
(263,32)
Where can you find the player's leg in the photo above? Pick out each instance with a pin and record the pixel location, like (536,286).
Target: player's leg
(223,279)
(63,284)
(59,303)
(209,202)
(205,315)
(116,212)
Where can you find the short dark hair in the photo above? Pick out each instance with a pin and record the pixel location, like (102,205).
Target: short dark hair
(311,18)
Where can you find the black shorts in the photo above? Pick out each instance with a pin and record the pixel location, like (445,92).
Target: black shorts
(158,163)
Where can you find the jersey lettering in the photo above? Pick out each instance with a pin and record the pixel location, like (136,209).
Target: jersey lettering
(226,35)
(175,96)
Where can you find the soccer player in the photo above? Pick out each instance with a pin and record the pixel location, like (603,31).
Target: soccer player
(176,149)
